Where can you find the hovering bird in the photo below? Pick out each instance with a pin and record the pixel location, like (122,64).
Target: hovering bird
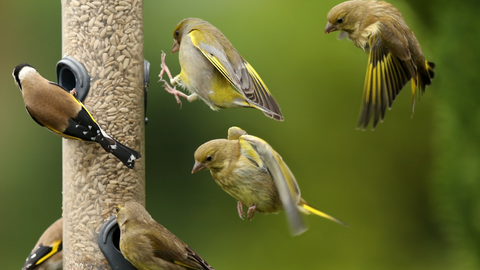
(55,108)
(251,171)
(150,246)
(47,253)
(395,56)
(212,69)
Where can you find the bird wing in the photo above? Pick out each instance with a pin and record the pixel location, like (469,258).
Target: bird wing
(65,134)
(80,126)
(262,153)
(394,38)
(41,254)
(199,261)
(175,250)
(386,75)
(83,126)
(243,77)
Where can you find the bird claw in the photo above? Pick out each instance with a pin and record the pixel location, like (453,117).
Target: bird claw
(167,86)
(240,209)
(165,69)
(175,92)
(251,212)
(73,92)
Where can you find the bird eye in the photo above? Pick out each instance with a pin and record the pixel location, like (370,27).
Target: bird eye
(117,209)
(209,158)
(339,20)
(177,33)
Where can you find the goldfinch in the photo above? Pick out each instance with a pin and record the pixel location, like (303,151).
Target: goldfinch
(47,253)
(53,107)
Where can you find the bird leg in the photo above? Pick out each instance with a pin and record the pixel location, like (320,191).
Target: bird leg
(251,212)
(165,69)
(174,82)
(240,209)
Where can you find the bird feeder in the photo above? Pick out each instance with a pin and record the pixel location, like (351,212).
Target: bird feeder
(106,38)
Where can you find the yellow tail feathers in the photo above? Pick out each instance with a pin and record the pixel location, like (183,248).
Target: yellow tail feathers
(310,210)
(414,87)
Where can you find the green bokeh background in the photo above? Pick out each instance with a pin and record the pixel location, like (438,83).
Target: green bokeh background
(408,189)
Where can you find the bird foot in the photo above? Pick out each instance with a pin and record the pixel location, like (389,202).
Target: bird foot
(167,86)
(251,212)
(240,209)
(175,92)
(165,69)
(73,92)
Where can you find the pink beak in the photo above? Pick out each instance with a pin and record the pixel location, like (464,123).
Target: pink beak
(330,28)
(198,167)
(175,47)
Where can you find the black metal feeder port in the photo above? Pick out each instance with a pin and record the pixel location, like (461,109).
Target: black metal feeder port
(146,82)
(71,74)
(109,243)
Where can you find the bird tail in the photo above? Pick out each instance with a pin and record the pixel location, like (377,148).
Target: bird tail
(424,78)
(125,154)
(308,209)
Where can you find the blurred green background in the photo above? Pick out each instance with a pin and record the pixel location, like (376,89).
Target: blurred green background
(409,189)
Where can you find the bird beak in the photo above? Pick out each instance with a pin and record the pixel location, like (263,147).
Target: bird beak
(175,47)
(330,28)
(198,167)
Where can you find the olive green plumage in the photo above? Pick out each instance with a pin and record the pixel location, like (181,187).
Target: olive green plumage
(395,56)
(212,69)
(150,246)
(247,168)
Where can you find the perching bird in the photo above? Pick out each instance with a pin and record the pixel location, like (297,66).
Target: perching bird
(247,168)
(395,56)
(211,67)
(150,246)
(47,253)
(53,107)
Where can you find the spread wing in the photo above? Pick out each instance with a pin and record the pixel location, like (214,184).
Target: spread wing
(262,153)
(386,75)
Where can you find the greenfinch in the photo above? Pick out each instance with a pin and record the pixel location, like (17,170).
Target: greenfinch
(150,246)
(47,253)
(395,56)
(212,68)
(249,169)
(53,107)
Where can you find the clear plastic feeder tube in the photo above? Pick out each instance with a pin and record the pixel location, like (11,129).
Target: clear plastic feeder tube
(107,38)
